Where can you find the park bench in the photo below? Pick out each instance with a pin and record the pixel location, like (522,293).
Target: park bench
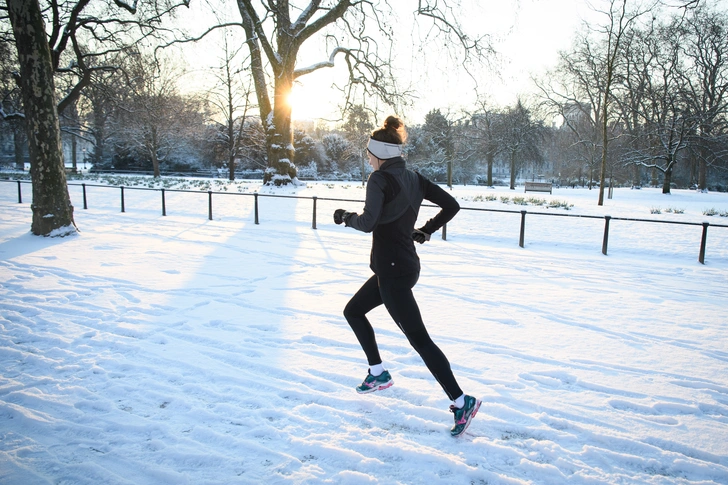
(538,187)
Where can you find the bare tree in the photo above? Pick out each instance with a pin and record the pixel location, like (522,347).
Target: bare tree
(574,91)
(357,129)
(276,30)
(619,19)
(11,106)
(632,89)
(99,107)
(231,98)
(78,34)
(155,117)
(705,44)
(666,119)
(482,136)
(83,35)
(52,209)
(521,137)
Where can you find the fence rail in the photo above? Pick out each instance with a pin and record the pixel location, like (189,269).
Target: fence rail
(521,242)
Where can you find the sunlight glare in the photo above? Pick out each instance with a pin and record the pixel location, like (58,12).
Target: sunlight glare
(306,103)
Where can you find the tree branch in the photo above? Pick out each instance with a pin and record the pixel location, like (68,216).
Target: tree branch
(199,37)
(306,15)
(249,14)
(320,65)
(331,16)
(132,9)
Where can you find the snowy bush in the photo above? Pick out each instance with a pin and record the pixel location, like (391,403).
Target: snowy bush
(309,171)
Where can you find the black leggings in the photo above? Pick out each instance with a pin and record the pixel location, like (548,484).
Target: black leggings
(396,294)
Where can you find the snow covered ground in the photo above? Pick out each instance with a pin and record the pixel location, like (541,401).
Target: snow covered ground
(182,350)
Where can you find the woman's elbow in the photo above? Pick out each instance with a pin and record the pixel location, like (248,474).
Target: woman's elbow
(363,225)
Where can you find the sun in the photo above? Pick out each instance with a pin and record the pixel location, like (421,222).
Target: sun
(306,103)
(298,104)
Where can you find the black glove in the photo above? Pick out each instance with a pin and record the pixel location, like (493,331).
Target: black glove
(420,236)
(340,215)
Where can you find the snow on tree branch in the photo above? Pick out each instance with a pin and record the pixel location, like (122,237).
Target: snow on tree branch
(320,65)
(131,8)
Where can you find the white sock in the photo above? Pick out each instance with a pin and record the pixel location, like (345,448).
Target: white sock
(460,402)
(376,370)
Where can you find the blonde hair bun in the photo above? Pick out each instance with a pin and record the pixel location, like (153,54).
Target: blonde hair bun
(392,131)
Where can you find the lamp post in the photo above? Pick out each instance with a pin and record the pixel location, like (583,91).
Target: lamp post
(84,157)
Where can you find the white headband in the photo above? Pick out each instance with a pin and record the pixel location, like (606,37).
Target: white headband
(384,151)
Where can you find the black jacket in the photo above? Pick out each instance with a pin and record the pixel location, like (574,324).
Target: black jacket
(393,199)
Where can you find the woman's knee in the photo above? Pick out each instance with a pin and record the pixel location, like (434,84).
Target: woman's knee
(352,310)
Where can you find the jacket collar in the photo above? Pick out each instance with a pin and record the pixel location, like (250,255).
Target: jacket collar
(393,163)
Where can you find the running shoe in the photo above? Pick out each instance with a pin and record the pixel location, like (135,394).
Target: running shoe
(375,383)
(464,415)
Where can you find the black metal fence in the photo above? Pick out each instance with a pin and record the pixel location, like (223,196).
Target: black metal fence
(521,242)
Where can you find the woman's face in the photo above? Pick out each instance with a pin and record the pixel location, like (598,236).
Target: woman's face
(374,161)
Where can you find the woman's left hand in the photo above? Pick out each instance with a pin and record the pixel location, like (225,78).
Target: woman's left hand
(420,236)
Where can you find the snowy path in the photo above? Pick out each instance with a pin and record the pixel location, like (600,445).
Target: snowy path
(174,349)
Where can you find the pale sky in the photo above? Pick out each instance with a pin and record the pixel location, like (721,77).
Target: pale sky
(528,34)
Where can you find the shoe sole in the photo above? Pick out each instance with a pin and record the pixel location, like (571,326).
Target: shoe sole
(377,388)
(472,415)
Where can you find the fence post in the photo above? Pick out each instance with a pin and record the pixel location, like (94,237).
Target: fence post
(164,205)
(85,205)
(444,232)
(703,241)
(606,235)
(122,199)
(313,224)
(20,194)
(256,207)
(523,228)
(209,204)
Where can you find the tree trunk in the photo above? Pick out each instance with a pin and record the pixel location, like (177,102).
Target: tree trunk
(74,156)
(153,153)
(281,153)
(602,169)
(20,144)
(591,175)
(513,171)
(259,79)
(668,179)
(605,141)
(232,140)
(231,167)
(52,209)
(702,172)
(98,152)
(489,158)
(99,133)
(602,176)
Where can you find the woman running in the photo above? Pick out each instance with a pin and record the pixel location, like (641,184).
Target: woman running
(393,199)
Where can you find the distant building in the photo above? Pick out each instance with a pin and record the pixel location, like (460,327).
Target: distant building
(577,113)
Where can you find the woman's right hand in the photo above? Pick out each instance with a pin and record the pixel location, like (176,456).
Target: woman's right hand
(340,216)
